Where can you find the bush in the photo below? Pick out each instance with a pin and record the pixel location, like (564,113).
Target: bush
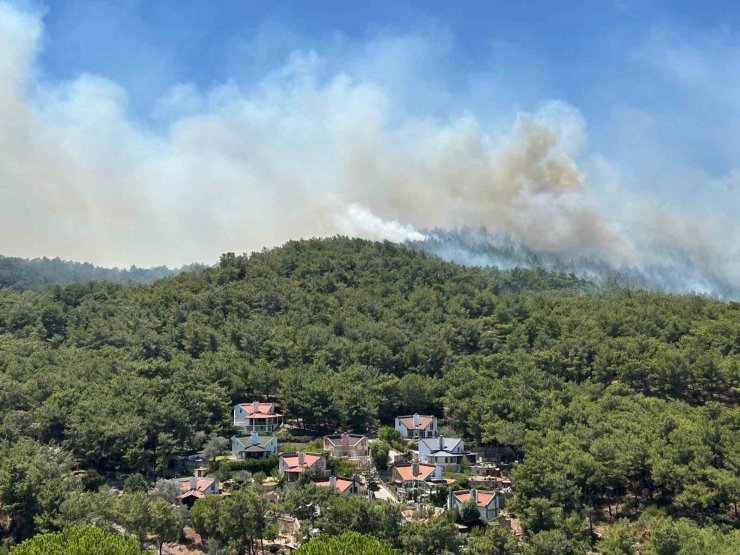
(266,466)
(379,452)
(79,541)
(351,543)
(341,466)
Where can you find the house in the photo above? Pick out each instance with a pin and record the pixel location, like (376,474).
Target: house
(197,487)
(489,502)
(416,475)
(447,452)
(342,486)
(291,465)
(256,416)
(395,456)
(416,426)
(485,474)
(253,446)
(352,446)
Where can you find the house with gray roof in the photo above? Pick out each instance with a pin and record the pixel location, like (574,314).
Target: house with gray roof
(254,446)
(446,452)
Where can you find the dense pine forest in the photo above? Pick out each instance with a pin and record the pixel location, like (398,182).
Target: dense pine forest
(620,407)
(21,273)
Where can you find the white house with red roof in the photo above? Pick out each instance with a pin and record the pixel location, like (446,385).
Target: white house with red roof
(416,475)
(256,416)
(197,486)
(489,503)
(292,465)
(353,446)
(416,426)
(341,486)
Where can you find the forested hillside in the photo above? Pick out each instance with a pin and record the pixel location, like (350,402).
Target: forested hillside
(616,403)
(22,273)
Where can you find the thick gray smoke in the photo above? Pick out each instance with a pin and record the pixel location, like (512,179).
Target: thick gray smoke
(300,155)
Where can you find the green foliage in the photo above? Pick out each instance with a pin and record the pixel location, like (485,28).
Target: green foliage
(237,520)
(334,514)
(659,535)
(611,402)
(135,482)
(350,543)
(437,536)
(215,446)
(34,480)
(22,273)
(492,540)
(391,436)
(265,465)
(79,541)
(166,523)
(341,466)
(469,513)
(379,452)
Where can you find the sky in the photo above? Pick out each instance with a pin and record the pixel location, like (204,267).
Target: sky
(167,132)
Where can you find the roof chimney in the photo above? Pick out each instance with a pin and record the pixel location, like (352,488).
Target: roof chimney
(301,458)
(255,437)
(333,482)
(474,494)
(417,420)
(441,443)
(255,406)
(414,469)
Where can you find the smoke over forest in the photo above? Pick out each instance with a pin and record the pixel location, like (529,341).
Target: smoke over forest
(307,151)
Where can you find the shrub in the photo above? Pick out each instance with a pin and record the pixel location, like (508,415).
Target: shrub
(351,543)
(79,541)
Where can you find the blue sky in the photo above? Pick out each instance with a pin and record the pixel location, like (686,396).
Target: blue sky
(614,122)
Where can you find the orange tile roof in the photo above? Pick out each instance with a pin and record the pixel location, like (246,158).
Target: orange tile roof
(406,471)
(261,407)
(408,421)
(341,486)
(484,498)
(201,484)
(308,461)
(264,410)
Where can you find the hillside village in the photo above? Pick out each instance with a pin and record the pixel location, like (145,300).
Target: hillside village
(343,393)
(410,466)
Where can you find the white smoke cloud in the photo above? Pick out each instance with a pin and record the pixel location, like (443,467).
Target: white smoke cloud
(295,155)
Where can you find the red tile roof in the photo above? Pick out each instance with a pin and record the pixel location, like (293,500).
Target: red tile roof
(406,471)
(201,484)
(292,461)
(484,498)
(264,410)
(342,484)
(261,407)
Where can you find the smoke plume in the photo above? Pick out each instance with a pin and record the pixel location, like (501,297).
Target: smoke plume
(302,154)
